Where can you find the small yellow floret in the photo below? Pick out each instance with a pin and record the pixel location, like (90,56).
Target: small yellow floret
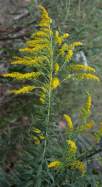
(55,83)
(72,146)
(54,164)
(69,121)
(65,35)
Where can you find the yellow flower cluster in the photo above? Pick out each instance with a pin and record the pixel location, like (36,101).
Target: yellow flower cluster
(60,38)
(88,104)
(54,164)
(36,140)
(79,165)
(75,44)
(69,121)
(79,67)
(40,40)
(87,76)
(36,130)
(72,146)
(37,38)
(86,109)
(66,50)
(23,90)
(56,68)
(22,76)
(55,83)
(45,19)
(41,36)
(63,49)
(38,48)
(29,61)
(37,53)
(69,55)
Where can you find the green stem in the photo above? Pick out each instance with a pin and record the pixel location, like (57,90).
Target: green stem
(49,104)
(49,97)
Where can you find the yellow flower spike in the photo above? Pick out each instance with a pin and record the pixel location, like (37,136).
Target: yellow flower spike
(33,42)
(54,164)
(38,48)
(55,83)
(28,61)
(45,19)
(22,76)
(75,44)
(23,90)
(79,165)
(41,34)
(69,121)
(80,67)
(56,68)
(87,76)
(88,104)
(72,146)
(86,109)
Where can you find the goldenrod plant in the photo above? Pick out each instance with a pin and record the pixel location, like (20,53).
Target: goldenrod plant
(48,56)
